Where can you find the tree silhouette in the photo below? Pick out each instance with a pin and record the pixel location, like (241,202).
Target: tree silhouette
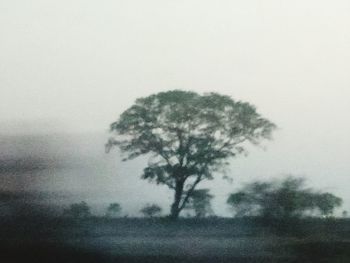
(187,136)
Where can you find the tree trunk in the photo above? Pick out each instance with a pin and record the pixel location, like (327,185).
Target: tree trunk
(175,207)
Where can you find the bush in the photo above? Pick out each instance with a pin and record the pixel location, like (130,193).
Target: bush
(151,210)
(282,199)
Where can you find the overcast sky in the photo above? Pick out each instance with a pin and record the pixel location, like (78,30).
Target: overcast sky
(74,66)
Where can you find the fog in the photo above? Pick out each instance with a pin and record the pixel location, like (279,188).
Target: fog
(69,68)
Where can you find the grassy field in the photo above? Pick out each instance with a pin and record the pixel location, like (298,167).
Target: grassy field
(187,240)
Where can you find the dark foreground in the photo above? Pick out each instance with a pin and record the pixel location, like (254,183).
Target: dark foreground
(159,240)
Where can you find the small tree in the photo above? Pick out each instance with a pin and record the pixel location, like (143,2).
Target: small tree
(281,199)
(113,210)
(151,210)
(78,210)
(188,137)
(200,203)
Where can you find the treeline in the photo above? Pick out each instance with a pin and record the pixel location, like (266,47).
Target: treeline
(272,199)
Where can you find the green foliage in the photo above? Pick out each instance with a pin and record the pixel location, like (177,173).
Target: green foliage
(151,210)
(281,199)
(187,136)
(200,203)
(78,210)
(113,210)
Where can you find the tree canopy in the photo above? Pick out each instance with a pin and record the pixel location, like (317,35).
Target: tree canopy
(188,137)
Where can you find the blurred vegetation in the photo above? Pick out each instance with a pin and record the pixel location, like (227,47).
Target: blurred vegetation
(200,203)
(284,199)
(114,210)
(78,211)
(151,210)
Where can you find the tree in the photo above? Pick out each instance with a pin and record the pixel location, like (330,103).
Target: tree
(187,136)
(283,199)
(113,210)
(151,210)
(78,210)
(200,203)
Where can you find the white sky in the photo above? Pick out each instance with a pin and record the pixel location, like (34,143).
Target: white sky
(79,64)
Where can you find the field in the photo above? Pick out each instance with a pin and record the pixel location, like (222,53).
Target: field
(187,240)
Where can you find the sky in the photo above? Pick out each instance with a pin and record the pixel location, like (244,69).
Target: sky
(70,68)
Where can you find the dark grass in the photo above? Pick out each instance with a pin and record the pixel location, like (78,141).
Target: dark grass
(58,253)
(53,239)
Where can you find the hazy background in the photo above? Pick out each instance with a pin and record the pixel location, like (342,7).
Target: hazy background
(69,68)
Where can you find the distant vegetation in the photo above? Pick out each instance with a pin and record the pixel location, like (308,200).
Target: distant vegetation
(78,211)
(189,138)
(151,210)
(288,198)
(114,210)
